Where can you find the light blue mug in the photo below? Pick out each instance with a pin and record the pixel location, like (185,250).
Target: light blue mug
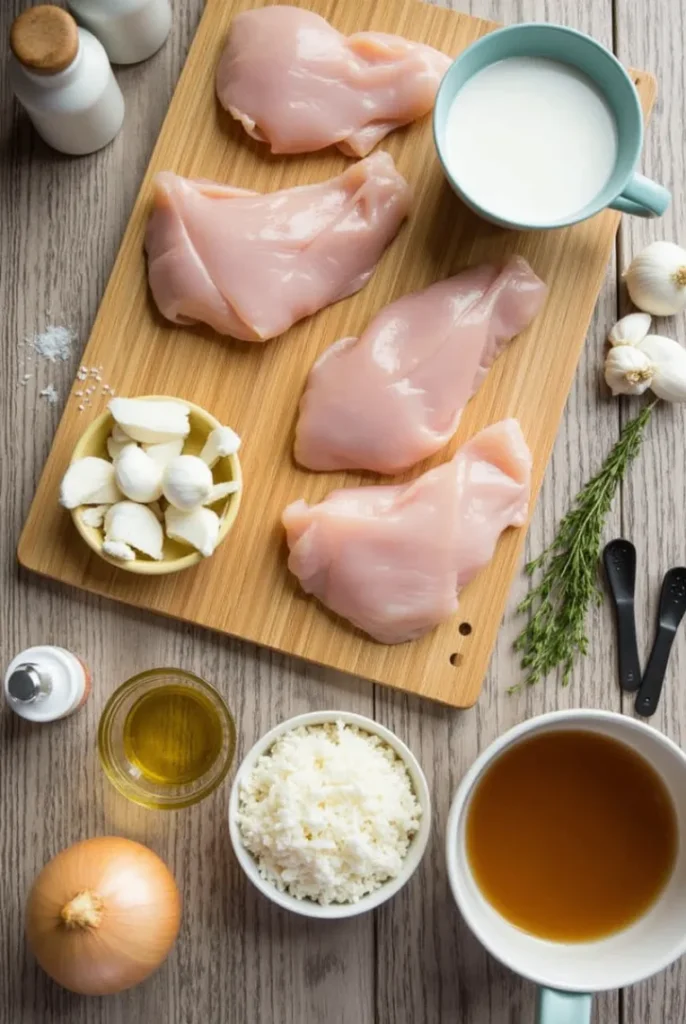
(568,973)
(625,190)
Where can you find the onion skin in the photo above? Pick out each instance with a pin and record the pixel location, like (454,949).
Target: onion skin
(102,915)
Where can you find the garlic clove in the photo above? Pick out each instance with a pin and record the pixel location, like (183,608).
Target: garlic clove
(656,279)
(89,481)
(156,510)
(138,476)
(630,329)
(115,448)
(220,491)
(117,549)
(199,528)
(168,450)
(669,359)
(151,422)
(94,515)
(221,441)
(135,525)
(187,482)
(120,436)
(628,370)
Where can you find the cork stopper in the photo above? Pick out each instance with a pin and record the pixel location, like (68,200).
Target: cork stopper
(45,39)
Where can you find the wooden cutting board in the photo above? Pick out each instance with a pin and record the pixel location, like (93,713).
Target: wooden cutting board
(245,589)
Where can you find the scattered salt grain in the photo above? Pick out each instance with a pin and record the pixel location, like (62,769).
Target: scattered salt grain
(50,393)
(54,342)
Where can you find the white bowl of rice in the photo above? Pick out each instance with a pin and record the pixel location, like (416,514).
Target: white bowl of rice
(329,814)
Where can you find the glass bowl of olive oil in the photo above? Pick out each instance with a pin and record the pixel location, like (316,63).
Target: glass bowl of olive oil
(166,739)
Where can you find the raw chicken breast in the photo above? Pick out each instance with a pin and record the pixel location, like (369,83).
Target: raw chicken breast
(392,397)
(295,82)
(252,265)
(392,559)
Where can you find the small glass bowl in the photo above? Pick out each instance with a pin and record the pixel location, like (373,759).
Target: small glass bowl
(125,777)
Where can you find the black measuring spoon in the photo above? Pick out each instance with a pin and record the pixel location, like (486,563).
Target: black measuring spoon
(619,557)
(670,614)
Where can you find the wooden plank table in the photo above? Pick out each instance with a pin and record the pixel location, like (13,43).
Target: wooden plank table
(238,960)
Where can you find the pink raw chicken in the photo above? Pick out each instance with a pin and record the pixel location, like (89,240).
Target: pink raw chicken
(392,559)
(252,265)
(294,81)
(394,396)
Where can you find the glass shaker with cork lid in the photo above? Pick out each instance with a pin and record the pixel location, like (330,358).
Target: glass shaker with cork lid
(61,75)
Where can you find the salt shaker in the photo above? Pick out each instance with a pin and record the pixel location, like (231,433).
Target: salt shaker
(61,75)
(45,683)
(130,30)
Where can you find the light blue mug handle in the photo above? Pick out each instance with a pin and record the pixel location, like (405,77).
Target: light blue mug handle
(563,1007)
(642,197)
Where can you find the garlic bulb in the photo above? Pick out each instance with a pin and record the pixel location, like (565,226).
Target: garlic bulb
(628,370)
(630,329)
(656,279)
(668,359)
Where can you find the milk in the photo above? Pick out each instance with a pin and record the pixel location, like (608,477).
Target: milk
(531,140)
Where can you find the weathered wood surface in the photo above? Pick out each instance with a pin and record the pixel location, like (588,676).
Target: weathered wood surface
(239,961)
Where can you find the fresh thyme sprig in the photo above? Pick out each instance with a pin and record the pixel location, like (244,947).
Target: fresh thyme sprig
(558,604)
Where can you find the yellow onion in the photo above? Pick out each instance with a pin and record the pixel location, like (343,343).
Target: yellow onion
(102,915)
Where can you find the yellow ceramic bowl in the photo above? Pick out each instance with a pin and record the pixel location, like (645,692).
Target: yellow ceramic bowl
(176,556)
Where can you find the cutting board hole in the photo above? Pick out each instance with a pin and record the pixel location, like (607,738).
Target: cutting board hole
(456,660)
(465,628)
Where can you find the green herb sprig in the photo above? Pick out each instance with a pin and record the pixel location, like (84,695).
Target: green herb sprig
(559,603)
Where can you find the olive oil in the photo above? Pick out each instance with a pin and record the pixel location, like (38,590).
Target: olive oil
(571,835)
(172,735)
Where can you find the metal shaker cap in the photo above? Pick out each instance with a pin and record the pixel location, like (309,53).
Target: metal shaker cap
(28,684)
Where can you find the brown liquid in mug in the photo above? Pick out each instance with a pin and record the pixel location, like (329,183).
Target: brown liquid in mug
(571,835)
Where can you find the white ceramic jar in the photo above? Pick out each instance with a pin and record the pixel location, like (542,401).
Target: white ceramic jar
(62,77)
(130,30)
(45,683)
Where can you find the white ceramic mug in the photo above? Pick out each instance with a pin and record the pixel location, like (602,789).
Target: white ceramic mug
(569,973)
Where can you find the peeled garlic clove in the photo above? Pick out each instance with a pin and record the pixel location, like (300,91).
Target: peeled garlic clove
(135,525)
(117,549)
(138,476)
(199,528)
(168,450)
(115,448)
(89,481)
(94,516)
(220,491)
(628,370)
(120,436)
(222,441)
(669,359)
(151,422)
(187,482)
(630,329)
(656,279)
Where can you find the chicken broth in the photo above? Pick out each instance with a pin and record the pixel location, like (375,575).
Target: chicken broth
(531,140)
(571,835)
